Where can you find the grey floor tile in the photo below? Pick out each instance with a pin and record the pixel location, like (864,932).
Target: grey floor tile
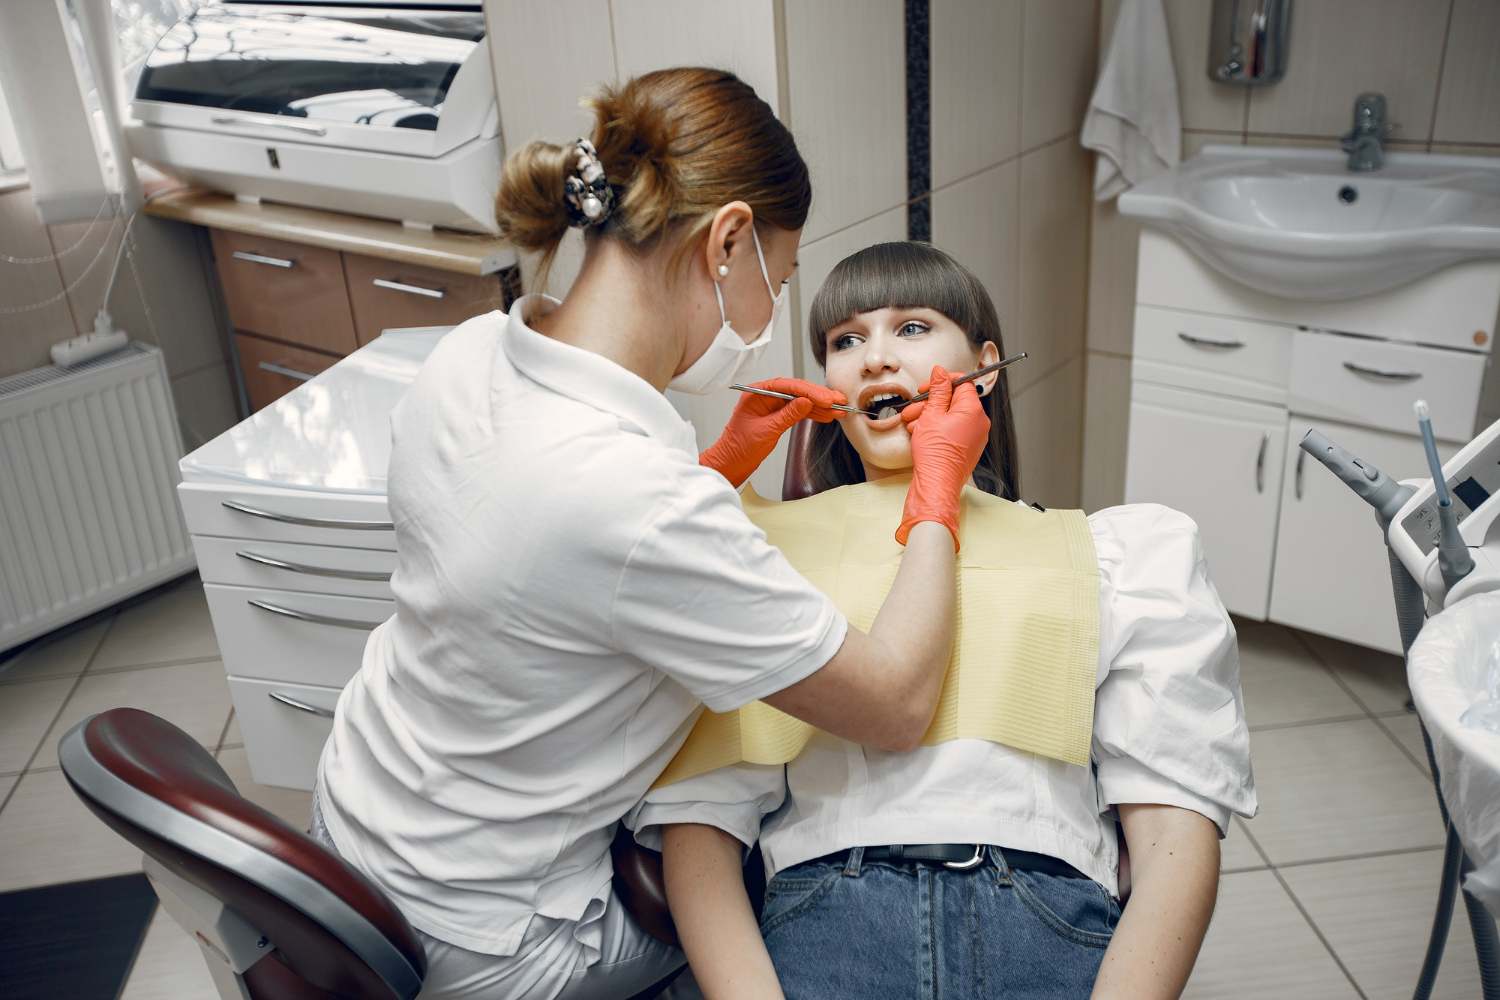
(1283,682)
(1338,789)
(290,804)
(64,653)
(47,836)
(1408,732)
(172,624)
(1377,915)
(1260,946)
(194,697)
(1378,679)
(232,735)
(26,713)
(6,783)
(1236,852)
(170,966)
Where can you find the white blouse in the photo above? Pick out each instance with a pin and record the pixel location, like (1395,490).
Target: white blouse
(1169,728)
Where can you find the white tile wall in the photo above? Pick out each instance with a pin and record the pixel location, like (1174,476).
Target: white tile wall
(976,85)
(1112,257)
(737,35)
(1340,48)
(1049,436)
(1468,109)
(1054,258)
(846,82)
(978,221)
(1057,65)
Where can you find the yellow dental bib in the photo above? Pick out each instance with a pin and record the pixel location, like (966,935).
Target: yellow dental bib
(1025,644)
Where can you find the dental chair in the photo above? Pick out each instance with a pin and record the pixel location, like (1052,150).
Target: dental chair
(277,916)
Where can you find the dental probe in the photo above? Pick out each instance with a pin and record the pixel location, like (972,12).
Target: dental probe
(786,395)
(977,373)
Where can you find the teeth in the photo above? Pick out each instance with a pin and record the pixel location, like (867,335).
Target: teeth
(884,405)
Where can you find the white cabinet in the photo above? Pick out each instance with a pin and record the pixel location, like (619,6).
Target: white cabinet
(1332,574)
(1220,461)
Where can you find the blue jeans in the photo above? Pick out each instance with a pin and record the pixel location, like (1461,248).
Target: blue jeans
(881,930)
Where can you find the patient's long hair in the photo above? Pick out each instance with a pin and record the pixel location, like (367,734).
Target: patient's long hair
(911,275)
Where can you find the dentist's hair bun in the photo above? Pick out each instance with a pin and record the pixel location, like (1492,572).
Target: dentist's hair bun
(676,145)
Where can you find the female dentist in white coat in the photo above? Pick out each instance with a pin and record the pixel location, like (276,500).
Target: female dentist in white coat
(573,579)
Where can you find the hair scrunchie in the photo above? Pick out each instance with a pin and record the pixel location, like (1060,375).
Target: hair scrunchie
(590,198)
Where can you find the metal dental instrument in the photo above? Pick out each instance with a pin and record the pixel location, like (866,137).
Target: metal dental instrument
(977,373)
(786,395)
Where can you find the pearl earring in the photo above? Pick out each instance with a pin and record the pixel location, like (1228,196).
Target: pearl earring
(723,270)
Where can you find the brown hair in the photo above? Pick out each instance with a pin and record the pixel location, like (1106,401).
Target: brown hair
(911,275)
(676,145)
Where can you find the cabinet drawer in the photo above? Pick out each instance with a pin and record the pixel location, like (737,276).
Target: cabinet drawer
(319,569)
(284,727)
(285,290)
(259,513)
(272,370)
(1256,354)
(1375,382)
(385,294)
(288,636)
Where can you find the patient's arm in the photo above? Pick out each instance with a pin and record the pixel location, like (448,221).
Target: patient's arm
(881,689)
(1174,860)
(706,890)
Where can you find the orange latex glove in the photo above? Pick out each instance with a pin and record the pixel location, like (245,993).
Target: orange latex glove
(948,433)
(758,422)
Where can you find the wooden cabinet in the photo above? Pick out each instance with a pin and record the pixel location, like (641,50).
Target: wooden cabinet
(386,294)
(285,291)
(271,369)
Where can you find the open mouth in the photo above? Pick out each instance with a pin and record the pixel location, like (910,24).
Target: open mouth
(883,402)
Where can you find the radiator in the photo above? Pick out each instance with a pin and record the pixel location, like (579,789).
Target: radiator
(88,478)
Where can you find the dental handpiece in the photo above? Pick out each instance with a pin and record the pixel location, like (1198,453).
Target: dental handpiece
(1454,561)
(976,373)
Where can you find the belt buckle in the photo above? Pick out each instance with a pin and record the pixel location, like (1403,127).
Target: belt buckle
(974,862)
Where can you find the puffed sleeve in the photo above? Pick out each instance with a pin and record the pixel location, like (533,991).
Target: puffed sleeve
(1169,718)
(734,799)
(706,599)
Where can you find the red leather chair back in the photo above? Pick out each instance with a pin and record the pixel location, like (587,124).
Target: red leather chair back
(796,481)
(334,932)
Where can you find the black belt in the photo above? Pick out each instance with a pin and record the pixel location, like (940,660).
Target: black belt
(960,857)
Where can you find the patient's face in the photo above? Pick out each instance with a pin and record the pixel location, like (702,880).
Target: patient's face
(890,352)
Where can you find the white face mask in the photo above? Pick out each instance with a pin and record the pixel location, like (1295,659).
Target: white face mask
(728,354)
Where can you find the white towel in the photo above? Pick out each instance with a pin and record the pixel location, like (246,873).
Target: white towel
(1133,122)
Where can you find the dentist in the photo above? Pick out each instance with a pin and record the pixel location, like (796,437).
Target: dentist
(573,580)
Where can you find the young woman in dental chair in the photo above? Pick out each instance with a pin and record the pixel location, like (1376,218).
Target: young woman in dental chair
(574,580)
(967,868)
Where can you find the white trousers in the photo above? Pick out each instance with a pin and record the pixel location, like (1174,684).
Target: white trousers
(550,964)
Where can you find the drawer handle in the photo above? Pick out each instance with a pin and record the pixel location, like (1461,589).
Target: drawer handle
(342,574)
(260,258)
(1377,373)
(315,619)
(1298,479)
(1229,345)
(311,522)
(301,706)
(1260,464)
(275,369)
(262,123)
(399,286)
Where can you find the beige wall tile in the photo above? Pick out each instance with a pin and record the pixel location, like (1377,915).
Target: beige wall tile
(1193,142)
(206,404)
(976,86)
(1054,259)
(1340,48)
(172,276)
(1112,269)
(86,252)
(1459,149)
(25,336)
(846,83)
(978,222)
(1329,143)
(1049,426)
(1106,429)
(817,258)
(1469,100)
(1205,103)
(737,35)
(1057,67)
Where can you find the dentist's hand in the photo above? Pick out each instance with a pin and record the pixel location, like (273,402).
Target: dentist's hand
(759,421)
(948,434)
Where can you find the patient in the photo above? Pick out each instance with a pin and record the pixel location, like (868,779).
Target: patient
(968,868)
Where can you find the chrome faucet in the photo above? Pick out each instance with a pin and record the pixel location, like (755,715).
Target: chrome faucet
(1363,142)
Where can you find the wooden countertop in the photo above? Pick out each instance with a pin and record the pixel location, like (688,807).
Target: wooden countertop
(465,253)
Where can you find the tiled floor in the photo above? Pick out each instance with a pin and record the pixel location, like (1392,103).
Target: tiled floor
(1327,893)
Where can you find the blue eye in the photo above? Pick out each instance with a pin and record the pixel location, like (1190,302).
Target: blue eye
(911,328)
(845,341)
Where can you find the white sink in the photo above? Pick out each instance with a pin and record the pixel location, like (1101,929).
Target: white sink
(1297,223)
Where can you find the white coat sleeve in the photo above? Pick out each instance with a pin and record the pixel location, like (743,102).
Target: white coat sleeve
(734,799)
(1169,717)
